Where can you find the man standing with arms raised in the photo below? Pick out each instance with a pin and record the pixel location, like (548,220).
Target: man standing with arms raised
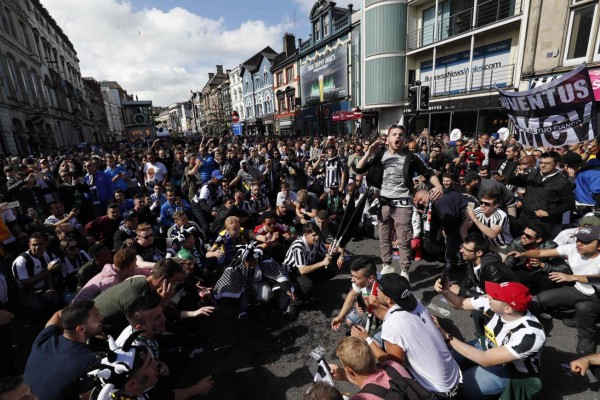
(394,179)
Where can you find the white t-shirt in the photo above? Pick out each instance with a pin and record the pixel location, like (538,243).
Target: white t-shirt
(580,266)
(155,171)
(428,357)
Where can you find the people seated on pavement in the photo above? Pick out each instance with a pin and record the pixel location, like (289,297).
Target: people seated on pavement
(579,288)
(59,355)
(123,266)
(511,347)
(252,277)
(533,272)
(145,314)
(410,337)
(492,222)
(71,259)
(355,310)
(308,263)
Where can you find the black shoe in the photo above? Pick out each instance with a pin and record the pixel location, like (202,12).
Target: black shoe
(570,322)
(585,346)
(291,312)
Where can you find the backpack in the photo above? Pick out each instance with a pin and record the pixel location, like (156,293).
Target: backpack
(401,388)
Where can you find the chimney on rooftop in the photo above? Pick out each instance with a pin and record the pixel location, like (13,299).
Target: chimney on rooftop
(210,75)
(289,43)
(350,8)
(219,69)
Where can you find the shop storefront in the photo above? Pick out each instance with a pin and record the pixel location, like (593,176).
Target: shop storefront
(320,119)
(473,115)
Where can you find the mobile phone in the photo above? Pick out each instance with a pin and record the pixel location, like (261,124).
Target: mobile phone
(12,204)
(361,301)
(566,368)
(444,280)
(470,206)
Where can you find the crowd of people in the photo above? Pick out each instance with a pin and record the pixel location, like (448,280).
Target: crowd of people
(133,240)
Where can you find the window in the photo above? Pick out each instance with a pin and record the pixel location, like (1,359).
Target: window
(24,36)
(290,74)
(325,25)
(317,30)
(578,35)
(35,82)
(265,78)
(280,79)
(12,75)
(8,22)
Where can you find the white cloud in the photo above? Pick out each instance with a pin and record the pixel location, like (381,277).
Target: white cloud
(307,5)
(156,55)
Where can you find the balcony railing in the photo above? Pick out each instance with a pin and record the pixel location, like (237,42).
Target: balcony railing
(481,79)
(488,12)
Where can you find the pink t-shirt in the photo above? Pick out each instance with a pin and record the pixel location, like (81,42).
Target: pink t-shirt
(380,378)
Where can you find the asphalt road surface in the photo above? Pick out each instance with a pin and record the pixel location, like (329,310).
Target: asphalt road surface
(266,357)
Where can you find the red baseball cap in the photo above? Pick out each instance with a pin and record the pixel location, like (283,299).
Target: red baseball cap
(516,295)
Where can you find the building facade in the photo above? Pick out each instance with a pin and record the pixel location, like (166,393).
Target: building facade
(236,91)
(42,105)
(212,115)
(325,70)
(96,112)
(257,91)
(114,96)
(286,89)
(462,50)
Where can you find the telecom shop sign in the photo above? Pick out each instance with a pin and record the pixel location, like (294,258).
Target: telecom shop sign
(324,74)
(490,68)
(557,113)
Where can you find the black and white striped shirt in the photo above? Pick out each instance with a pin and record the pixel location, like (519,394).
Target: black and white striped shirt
(301,254)
(524,337)
(497,218)
(333,172)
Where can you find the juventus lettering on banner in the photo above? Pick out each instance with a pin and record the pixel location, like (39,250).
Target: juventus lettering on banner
(557,113)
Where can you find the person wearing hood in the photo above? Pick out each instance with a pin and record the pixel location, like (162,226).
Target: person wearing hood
(125,235)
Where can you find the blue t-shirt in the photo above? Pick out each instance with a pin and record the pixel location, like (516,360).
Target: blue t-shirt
(55,364)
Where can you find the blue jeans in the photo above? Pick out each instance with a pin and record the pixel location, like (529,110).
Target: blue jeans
(478,381)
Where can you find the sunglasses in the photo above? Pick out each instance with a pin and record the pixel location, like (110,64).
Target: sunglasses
(147,236)
(486,203)
(528,236)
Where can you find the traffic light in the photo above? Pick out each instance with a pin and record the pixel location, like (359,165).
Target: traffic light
(424,98)
(413,101)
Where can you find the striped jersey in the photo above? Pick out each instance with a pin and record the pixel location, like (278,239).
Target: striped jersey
(333,172)
(524,338)
(300,254)
(497,218)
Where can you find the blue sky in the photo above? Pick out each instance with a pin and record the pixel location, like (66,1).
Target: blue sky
(160,50)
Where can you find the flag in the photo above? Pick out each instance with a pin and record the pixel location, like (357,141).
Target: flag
(323,374)
(558,113)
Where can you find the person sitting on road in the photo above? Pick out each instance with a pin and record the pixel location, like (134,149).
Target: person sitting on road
(512,344)
(584,260)
(146,314)
(308,262)
(492,222)
(359,366)
(250,276)
(364,276)
(411,338)
(533,272)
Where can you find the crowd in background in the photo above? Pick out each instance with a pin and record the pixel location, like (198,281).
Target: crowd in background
(153,235)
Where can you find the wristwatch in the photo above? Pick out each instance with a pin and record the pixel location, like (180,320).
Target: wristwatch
(369,340)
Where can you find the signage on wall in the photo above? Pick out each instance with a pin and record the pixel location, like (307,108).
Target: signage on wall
(324,74)
(490,68)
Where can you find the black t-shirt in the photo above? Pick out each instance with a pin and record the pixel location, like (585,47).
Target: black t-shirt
(155,252)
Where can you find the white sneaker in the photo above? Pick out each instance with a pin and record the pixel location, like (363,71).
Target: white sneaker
(404,273)
(387,269)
